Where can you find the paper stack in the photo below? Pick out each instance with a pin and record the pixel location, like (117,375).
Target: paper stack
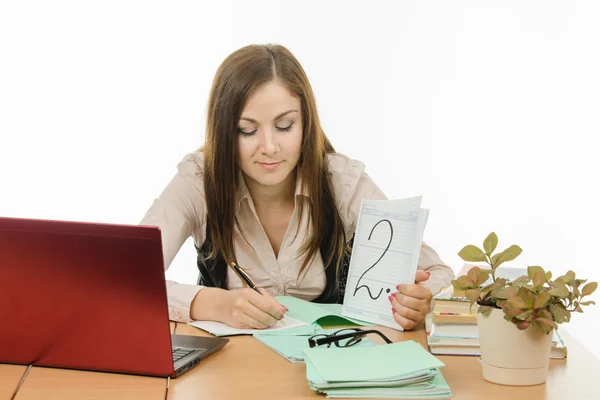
(291,343)
(397,370)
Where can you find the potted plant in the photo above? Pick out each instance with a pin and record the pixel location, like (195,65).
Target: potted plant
(516,318)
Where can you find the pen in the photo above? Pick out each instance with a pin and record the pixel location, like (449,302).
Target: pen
(246,279)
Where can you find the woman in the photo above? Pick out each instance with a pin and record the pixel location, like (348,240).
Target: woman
(269,192)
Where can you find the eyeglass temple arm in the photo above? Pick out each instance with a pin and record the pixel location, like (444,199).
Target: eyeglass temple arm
(381,335)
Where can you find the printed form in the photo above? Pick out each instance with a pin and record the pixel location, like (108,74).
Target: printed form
(387,245)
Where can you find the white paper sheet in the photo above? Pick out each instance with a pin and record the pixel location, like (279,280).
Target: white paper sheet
(386,250)
(220,329)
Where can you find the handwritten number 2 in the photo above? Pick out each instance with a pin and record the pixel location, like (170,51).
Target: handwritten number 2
(379,259)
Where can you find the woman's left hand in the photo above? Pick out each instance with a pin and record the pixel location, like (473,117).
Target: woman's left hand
(412,302)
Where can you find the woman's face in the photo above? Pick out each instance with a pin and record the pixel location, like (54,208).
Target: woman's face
(270,136)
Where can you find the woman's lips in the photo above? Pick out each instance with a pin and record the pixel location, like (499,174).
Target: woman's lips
(269,166)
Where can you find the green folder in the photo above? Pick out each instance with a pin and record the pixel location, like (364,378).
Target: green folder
(291,346)
(323,314)
(436,388)
(397,370)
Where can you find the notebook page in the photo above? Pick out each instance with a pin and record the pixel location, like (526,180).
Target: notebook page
(220,329)
(386,251)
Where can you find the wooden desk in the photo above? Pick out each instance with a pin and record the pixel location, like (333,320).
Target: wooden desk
(62,384)
(262,373)
(10,377)
(578,377)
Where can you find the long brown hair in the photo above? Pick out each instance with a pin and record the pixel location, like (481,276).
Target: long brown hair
(237,78)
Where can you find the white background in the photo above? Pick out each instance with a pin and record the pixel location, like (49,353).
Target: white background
(488,109)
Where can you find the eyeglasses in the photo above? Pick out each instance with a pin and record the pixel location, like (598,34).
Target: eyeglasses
(344,337)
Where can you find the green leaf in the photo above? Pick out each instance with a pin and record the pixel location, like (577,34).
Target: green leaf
(543,313)
(472,295)
(545,325)
(559,314)
(548,276)
(537,275)
(587,303)
(504,293)
(510,311)
(520,281)
(494,259)
(557,282)
(559,291)
(522,278)
(483,276)
(527,296)
(568,277)
(473,274)
(499,282)
(507,255)
(517,302)
(547,322)
(472,253)
(575,283)
(490,243)
(463,283)
(541,300)
(589,288)
(526,316)
(487,289)
(485,310)
(455,284)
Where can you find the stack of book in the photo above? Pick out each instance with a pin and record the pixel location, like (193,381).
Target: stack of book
(452,327)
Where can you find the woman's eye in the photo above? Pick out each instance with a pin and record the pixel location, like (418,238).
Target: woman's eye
(280,129)
(240,130)
(287,129)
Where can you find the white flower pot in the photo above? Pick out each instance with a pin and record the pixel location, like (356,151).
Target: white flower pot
(510,356)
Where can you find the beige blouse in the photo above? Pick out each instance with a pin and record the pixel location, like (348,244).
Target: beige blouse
(179,212)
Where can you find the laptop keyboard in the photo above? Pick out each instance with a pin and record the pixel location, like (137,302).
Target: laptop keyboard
(180,352)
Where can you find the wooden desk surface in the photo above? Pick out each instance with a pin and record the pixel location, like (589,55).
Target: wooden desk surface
(262,373)
(62,384)
(10,377)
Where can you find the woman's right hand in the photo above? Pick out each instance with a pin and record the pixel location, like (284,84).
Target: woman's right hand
(238,308)
(244,308)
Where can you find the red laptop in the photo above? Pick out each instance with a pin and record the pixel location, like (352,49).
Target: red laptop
(89,296)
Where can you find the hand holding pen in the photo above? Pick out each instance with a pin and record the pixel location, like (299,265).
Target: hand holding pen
(256,308)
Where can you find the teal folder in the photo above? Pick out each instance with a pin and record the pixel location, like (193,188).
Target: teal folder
(397,370)
(323,314)
(291,345)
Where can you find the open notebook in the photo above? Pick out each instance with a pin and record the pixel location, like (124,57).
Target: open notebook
(301,313)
